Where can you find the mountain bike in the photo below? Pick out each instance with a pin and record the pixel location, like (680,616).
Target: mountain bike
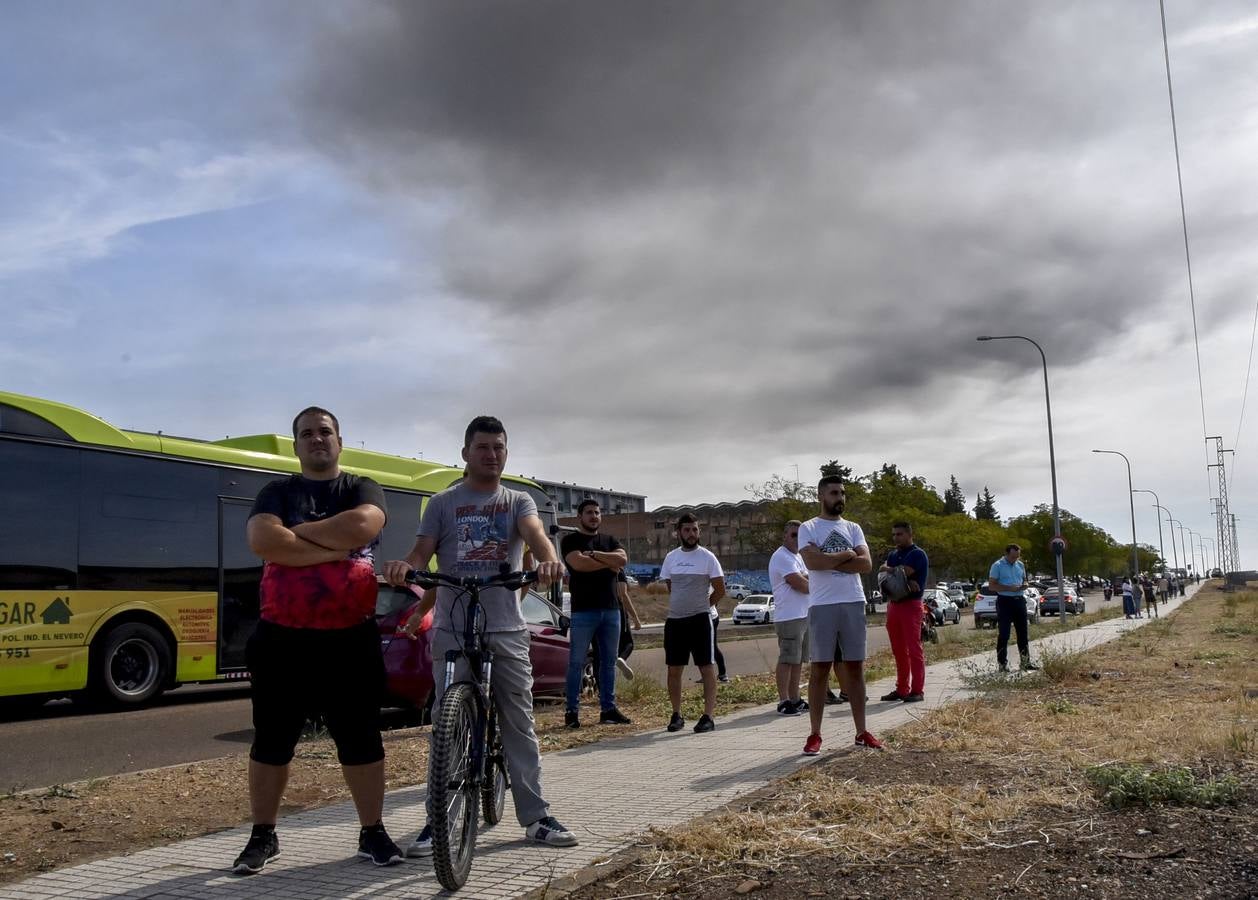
(469,771)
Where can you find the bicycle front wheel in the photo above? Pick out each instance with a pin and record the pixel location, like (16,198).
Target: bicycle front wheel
(452,787)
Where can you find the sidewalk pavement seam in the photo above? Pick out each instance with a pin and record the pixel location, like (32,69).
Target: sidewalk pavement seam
(607,793)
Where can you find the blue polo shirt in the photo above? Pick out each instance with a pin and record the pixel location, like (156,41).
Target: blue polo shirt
(1006,572)
(914,557)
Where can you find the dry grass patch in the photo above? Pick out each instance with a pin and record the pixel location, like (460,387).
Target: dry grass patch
(1162,715)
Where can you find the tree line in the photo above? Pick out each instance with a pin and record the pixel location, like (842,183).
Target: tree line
(962,542)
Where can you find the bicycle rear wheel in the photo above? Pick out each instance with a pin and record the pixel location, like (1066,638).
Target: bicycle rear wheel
(493,790)
(452,787)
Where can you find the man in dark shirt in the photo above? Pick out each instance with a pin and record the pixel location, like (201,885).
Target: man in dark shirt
(316,650)
(904,617)
(593,560)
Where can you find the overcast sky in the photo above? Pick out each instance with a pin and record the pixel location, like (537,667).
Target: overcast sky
(677,248)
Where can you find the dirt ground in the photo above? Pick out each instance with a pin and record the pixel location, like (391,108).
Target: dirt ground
(69,824)
(997,796)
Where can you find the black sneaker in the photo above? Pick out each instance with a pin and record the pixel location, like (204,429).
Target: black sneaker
(676,723)
(375,844)
(613,716)
(801,705)
(891,697)
(422,845)
(261,849)
(915,698)
(704,724)
(724,679)
(549,831)
(571,719)
(833,698)
(787,708)
(1002,667)
(1028,666)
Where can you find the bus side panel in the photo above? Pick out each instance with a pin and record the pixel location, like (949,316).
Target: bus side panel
(58,627)
(196,661)
(40,670)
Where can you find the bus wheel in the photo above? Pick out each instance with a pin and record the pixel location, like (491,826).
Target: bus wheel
(132,665)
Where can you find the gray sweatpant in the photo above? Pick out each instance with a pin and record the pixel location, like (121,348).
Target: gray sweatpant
(512,684)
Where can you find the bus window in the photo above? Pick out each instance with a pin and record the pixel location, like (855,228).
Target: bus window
(39,525)
(399,531)
(147,524)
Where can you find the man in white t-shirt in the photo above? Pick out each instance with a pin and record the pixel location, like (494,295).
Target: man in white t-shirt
(789,578)
(696,583)
(835,552)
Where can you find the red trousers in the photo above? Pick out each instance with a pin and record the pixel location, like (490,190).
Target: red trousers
(904,627)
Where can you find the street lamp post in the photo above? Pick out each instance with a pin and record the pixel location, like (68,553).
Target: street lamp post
(1201,549)
(1052,467)
(1135,556)
(1214,550)
(1184,544)
(1157,501)
(1174,551)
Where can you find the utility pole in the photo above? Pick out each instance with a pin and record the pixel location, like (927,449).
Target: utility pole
(1223,516)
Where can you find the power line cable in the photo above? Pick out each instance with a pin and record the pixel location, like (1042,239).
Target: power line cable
(1183,217)
(1249,368)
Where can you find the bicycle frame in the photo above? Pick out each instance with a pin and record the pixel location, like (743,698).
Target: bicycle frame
(451,854)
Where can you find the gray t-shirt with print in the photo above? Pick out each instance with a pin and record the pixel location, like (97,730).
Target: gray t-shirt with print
(476,532)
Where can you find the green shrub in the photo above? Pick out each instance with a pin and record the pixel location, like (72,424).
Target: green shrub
(1121,785)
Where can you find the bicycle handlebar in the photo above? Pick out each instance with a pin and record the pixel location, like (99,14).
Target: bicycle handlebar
(510,580)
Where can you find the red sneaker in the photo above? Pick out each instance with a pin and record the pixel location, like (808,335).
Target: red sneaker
(868,741)
(812,746)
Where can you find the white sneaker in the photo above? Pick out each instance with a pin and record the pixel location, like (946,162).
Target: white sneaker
(549,831)
(624,669)
(422,845)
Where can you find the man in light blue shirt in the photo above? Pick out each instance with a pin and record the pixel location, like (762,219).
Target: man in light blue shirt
(1008,577)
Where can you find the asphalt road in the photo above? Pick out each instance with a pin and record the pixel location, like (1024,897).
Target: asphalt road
(63,742)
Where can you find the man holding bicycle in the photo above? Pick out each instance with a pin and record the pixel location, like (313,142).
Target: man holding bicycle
(473,528)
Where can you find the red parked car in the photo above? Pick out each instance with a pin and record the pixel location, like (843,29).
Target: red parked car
(408,663)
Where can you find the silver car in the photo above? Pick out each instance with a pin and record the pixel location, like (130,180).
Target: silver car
(941,607)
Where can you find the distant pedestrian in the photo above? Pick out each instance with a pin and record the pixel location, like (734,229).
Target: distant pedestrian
(789,579)
(904,616)
(696,583)
(1151,598)
(1183,586)
(1164,587)
(835,552)
(1137,596)
(718,657)
(593,560)
(1008,577)
(1129,608)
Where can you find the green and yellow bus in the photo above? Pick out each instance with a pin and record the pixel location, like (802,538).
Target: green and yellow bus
(124,569)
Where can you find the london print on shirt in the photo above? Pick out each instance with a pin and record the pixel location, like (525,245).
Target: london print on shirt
(483,535)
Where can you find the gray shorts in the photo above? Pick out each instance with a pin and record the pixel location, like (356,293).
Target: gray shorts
(792,641)
(837,632)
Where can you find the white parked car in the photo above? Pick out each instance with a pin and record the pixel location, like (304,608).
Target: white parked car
(738,591)
(985,607)
(756,609)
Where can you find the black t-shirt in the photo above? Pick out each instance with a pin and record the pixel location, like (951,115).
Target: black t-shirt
(590,590)
(336,594)
(297,499)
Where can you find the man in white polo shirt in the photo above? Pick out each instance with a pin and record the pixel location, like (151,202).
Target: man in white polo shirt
(835,552)
(789,578)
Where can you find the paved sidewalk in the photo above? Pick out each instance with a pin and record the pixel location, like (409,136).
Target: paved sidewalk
(607,793)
